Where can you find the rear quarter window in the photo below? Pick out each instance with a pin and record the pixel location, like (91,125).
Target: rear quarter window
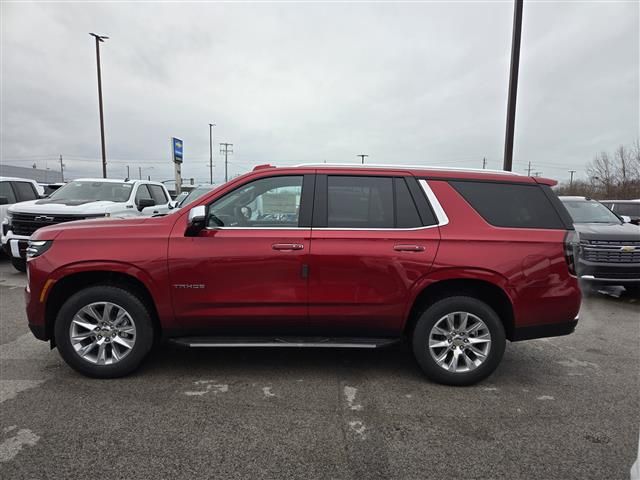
(510,205)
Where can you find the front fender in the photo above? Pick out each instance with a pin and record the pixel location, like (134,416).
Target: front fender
(157,290)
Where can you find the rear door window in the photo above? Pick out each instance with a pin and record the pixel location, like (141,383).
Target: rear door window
(510,205)
(629,209)
(7,191)
(360,202)
(25,191)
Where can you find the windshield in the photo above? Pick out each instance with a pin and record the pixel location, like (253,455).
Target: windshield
(194,194)
(590,211)
(93,191)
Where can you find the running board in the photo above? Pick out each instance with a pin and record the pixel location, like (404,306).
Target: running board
(311,342)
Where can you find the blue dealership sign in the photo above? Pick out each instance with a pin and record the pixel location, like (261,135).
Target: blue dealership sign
(177,149)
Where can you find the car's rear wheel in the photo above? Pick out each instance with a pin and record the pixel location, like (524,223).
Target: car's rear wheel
(19,264)
(458,341)
(104,331)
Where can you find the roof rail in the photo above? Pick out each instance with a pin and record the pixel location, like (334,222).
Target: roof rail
(409,167)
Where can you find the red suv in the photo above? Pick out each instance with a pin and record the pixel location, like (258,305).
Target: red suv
(457,261)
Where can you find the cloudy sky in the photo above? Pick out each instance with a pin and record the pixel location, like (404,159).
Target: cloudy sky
(418,83)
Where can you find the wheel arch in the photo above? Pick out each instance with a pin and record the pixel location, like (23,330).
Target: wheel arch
(489,290)
(67,285)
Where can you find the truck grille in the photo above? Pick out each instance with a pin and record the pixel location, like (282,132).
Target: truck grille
(611,251)
(27,223)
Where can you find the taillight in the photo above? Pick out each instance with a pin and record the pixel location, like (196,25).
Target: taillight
(571,245)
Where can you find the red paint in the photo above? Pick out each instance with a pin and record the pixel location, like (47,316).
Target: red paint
(358,280)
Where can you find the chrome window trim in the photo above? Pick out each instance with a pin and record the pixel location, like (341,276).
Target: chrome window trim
(441,215)
(257,228)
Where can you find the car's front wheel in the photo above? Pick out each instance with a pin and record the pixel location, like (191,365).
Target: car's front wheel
(104,331)
(458,341)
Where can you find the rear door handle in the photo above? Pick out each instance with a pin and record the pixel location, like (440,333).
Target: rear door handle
(408,248)
(287,246)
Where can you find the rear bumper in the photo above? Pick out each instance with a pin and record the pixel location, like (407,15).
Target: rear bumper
(543,331)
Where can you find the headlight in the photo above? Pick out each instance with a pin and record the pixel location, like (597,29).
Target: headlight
(38,247)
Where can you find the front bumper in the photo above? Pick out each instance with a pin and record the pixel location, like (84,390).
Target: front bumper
(15,245)
(609,273)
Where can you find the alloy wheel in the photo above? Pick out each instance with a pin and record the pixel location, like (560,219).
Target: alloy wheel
(102,333)
(459,342)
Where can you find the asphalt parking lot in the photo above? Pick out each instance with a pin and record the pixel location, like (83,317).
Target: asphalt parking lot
(560,408)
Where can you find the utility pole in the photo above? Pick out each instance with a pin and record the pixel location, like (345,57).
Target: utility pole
(537,174)
(128,174)
(99,39)
(362,157)
(211,125)
(140,173)
(513,85)
(484,162)
(529,170)
(226,148)
(61,168)
(571,180)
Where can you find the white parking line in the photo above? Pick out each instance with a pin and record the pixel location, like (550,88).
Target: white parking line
(10,447)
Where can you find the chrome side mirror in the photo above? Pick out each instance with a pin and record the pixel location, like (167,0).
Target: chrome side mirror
(196,220)
(625,218)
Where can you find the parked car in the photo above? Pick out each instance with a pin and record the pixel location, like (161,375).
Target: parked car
(625,208)
(14,190)
(49,188)
(78,200)
(457,261)
(197,192)
(609,248)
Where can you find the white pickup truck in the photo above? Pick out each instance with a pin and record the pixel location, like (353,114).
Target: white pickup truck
(78,200)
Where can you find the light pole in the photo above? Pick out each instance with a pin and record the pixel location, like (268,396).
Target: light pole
(211,125)
(140,171)
(101,38)
(513,85)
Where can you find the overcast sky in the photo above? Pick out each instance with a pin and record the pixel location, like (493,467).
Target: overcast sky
(422,83)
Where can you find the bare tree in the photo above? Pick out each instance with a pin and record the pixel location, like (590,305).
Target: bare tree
(614,176)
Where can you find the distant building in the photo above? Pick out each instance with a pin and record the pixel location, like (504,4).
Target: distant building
(37,174)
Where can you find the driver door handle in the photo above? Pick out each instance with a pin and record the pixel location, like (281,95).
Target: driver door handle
(409,248)
(287,246)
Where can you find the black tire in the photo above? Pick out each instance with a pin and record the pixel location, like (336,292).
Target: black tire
(19,264)
(428,320)
(104,293)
